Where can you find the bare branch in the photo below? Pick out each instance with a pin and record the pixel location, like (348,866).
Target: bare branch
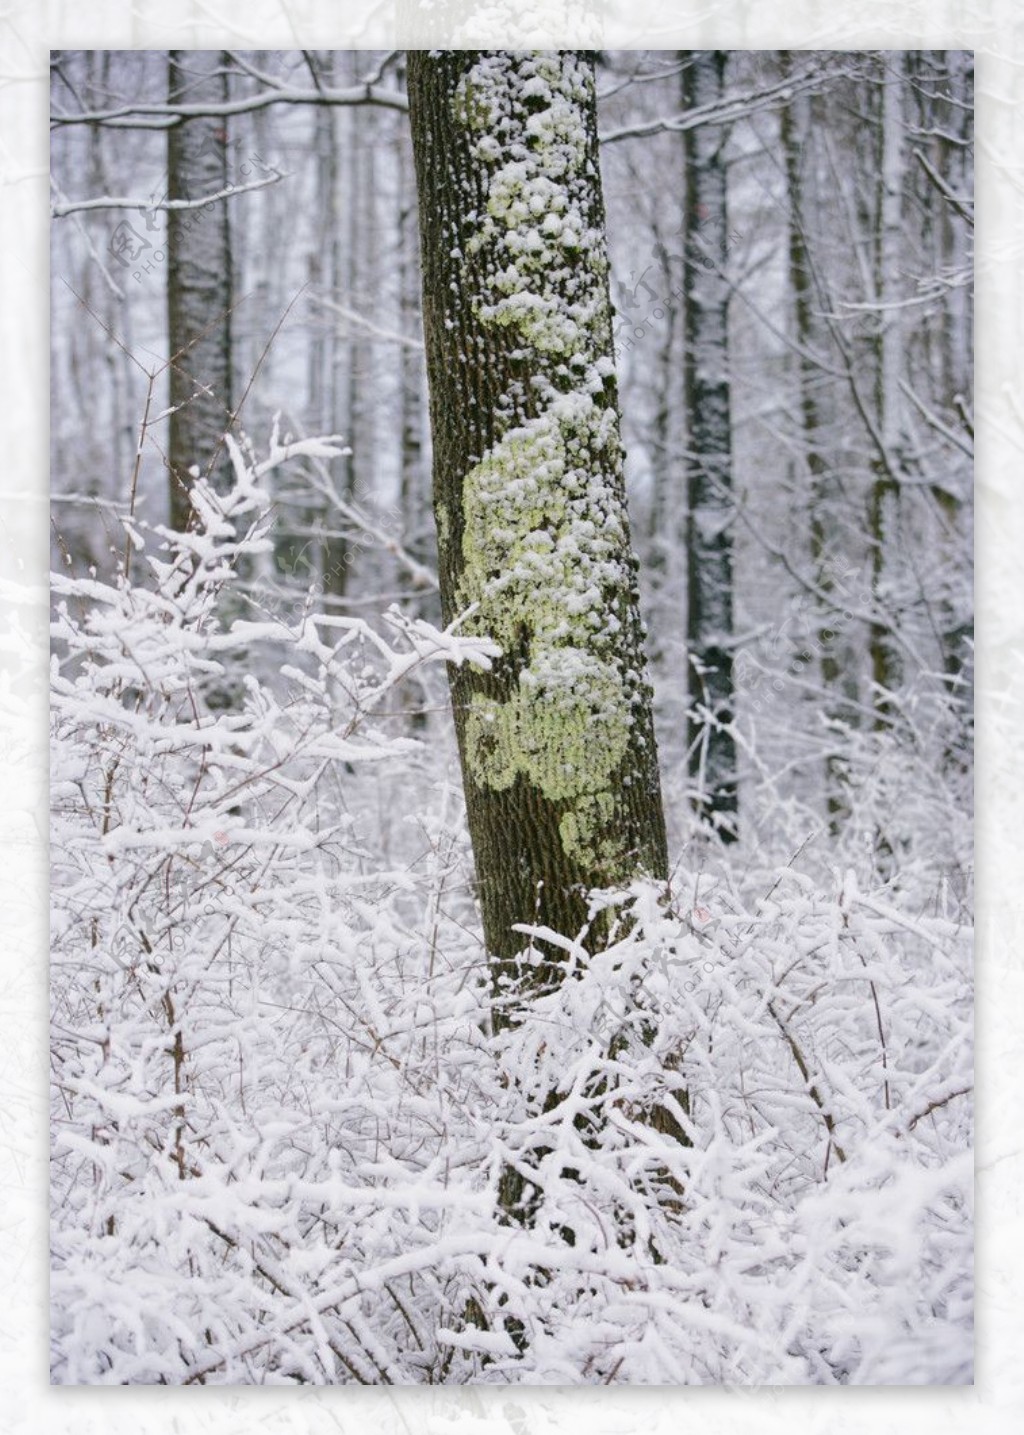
(960,205)
(162,117)
(733,108)
(935,422)
(354,317)
(106,201)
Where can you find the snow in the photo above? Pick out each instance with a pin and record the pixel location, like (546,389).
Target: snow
(280,1111)
(315,1174)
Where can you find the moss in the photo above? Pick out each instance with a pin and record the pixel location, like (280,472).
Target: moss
(587,828)
(533,226)
(543,544)
(471,106)
(491,743)
(567,740)
(544,533)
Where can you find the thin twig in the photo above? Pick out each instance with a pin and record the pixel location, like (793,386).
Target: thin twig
(147,206)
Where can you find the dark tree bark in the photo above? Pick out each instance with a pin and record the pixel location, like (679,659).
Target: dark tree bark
(199,289)
(556,743)
(945,93)
(709,619)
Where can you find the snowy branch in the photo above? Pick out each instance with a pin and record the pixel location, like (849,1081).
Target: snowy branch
(733,108)
(58,211)
(162,117)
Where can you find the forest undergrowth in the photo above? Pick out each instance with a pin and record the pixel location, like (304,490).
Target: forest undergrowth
(281,1110)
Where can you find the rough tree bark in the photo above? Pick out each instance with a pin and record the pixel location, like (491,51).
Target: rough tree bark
(710,509)
(556,743)
(199,289)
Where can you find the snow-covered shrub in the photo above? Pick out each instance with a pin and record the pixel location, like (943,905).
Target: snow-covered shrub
(232,971)
(762,1146)
(283,1124)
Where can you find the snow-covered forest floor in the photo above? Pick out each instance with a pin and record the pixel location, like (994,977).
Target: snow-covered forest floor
(280,1120)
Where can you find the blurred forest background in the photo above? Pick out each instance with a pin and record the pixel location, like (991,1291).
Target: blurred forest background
(281,1105)
(834,217)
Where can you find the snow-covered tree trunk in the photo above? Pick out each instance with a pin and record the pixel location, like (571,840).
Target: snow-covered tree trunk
(709,623)
(199,289)
(556,742)
(883,506)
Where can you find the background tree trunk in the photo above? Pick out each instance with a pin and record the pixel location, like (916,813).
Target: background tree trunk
(709,536)
(199,288)
(417,537)
(803,193)
(556,742)
(884,501)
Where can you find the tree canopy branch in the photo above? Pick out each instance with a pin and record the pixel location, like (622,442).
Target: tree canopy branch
(162,117)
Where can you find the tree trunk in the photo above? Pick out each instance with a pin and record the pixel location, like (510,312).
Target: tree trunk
(556,742)
(324,268)
(710,509)
(350,290)
(883,503)
(796,123)
(198,281)
(413,497)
